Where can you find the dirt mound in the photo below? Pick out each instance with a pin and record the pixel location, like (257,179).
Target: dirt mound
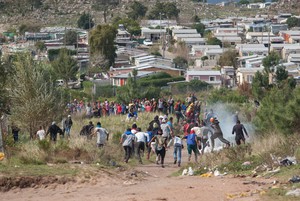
(7,183)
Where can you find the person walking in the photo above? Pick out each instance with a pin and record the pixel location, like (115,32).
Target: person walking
(140,138)
(127,139)
(160,147)
(15,131)
(192,143)
(102,135)
(177,150)
(217,133)
(41,134)
(67,125)
(53,130)
(239,131)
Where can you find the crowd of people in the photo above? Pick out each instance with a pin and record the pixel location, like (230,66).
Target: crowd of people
(160,135)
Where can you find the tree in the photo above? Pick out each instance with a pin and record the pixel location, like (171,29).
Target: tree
(65,67)
(214,41)
(228,58)
(32,94)
(70,37)
(35,4)
(180,62)
(132,26)
(293,22)
(40,46)
(199,27)
(5,73)
(164,10)
(270,62)
(105,6)
(101,42)
(196,18)
(28,28)
(85,21)
(244,2)
(260,84)
(281,74)
(137,10)
(204,58)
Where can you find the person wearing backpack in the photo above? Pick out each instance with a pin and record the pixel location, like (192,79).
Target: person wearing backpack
(160,147)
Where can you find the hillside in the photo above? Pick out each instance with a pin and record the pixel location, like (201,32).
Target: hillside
(66,12)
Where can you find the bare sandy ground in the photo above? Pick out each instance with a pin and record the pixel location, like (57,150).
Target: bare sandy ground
(144,183)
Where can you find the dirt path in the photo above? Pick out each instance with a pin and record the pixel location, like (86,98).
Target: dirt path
(144,183)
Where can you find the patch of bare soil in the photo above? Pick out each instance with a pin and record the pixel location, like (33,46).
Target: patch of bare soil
(144,183)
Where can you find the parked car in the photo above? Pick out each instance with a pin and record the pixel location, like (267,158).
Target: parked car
(148,42)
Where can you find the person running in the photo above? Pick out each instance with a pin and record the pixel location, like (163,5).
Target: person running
(178,113)
(140,138)
(204,132)
(87,130)
(41,133)
(239,131)
(166,129)
(192,143)
(160,147)
(155,120)
(177,150)
(217,133)
(102,135)
(127,140)
(151,147)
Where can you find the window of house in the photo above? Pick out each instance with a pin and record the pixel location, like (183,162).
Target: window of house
(212,78)
(196,78)
(249,78)
(211,57)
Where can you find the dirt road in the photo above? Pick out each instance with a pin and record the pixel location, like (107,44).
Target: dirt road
(144,183)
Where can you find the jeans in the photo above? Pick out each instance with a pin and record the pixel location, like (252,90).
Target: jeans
(140,147)
(67,130)
(127,153)
(177,152)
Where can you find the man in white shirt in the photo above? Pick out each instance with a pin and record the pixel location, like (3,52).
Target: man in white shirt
(140,138)
(102,135)
(41,133)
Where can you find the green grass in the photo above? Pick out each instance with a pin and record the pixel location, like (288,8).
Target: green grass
(15,169)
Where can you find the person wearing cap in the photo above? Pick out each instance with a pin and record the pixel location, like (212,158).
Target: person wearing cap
(53,130)
(217,133)
(67,125)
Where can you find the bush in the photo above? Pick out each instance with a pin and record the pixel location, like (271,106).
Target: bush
(227,96)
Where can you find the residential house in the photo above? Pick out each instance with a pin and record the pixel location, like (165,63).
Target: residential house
(193,41)
(232,40)
(180,36)
(252,36)
(211,77)
(198,50)
(241,61)
(152,34)
(121,79)
(236,30)
(251,49)
(295,58)
(246,75)
(288,35)
(228,76)
(213,56)
(276,28)
(287,50)
(183,31)
(254,62)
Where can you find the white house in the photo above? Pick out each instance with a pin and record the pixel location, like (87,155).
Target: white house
(211,77)
(183,31)
(246,75)
(152,34)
